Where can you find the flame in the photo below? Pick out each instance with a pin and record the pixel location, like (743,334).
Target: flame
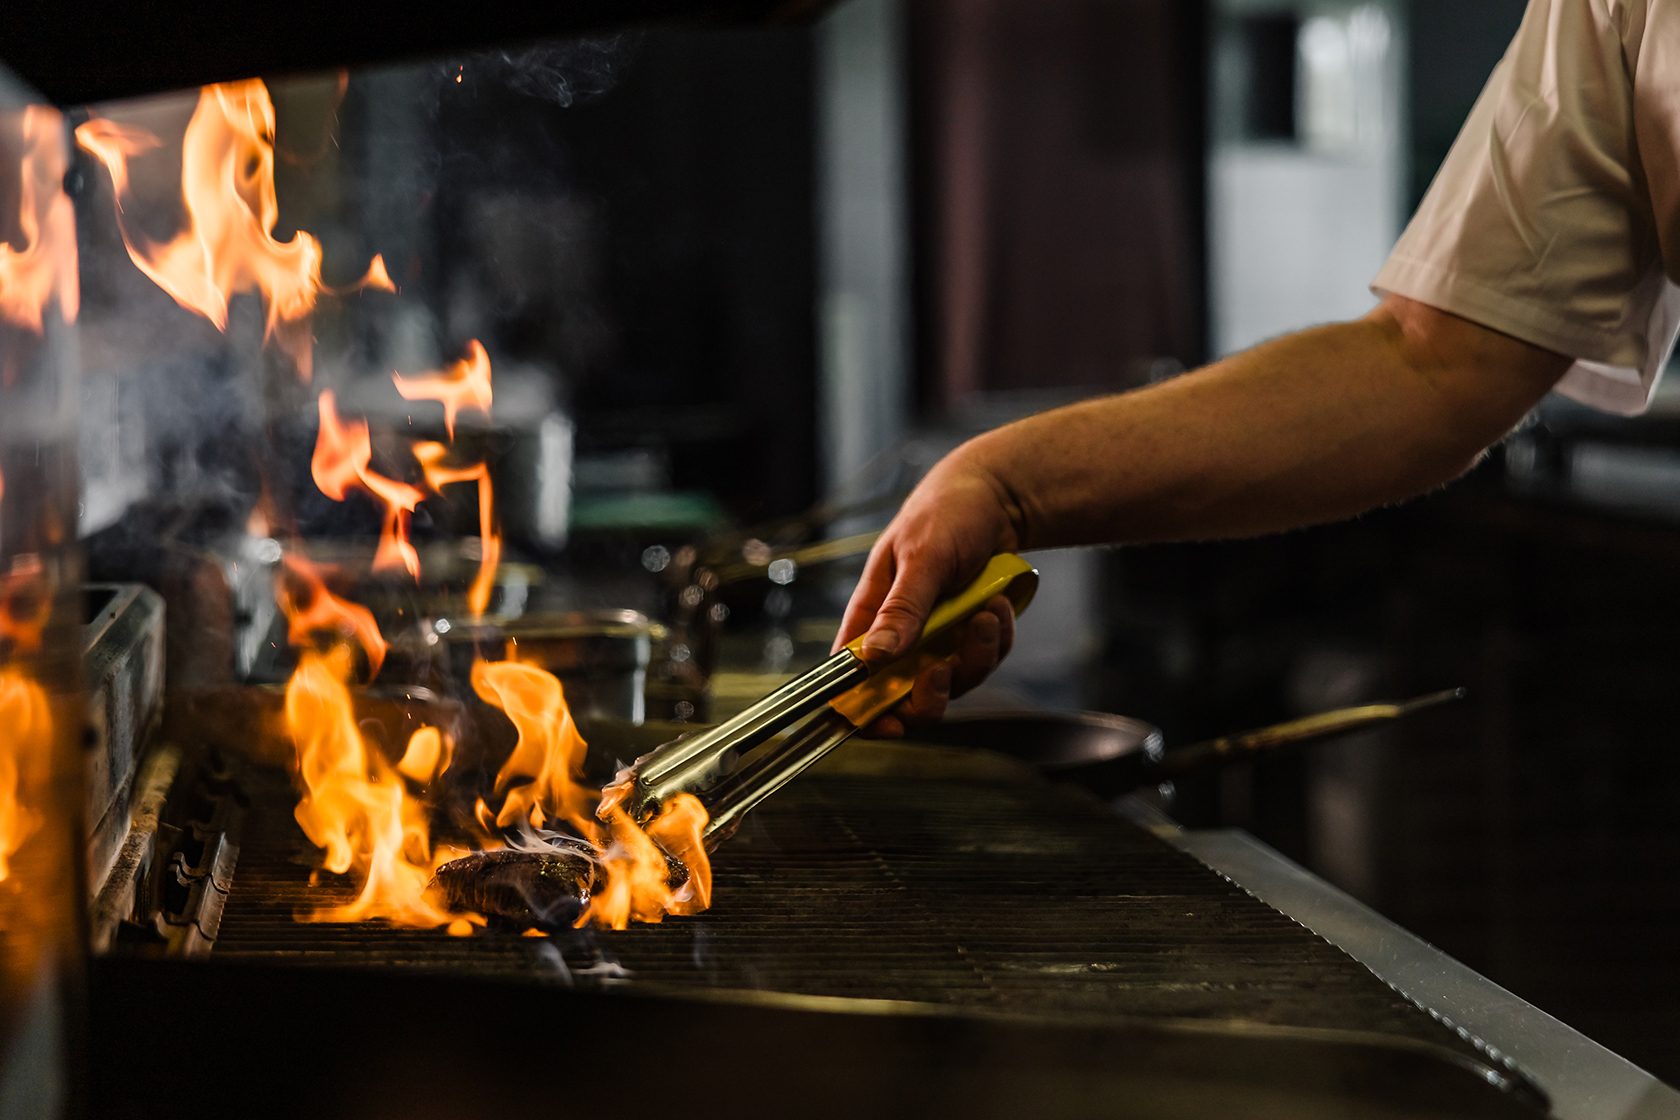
(25,605)
(25,739)
(45,264)
(376,276)
(355,805)
(431,456)
(678,829)
(114,144)
(25,717)
(466,384)
(428,755)
(550,753)
(639,884)
(227,244)
(320,611)
(342,453)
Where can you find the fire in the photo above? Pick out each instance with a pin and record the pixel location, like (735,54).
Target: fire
(227,244)
(25,717)
(25,740)
(342,453)
(25,605)
(355,804)
(550,754)
(431,456)
(319,611)
(427,757)
(227,188)
(376,277)
(44,265)
(678,829)
(466,384)
(639,884)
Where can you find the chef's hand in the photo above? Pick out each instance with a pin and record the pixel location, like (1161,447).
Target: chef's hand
(955,521)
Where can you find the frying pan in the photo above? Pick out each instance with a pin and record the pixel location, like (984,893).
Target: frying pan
(1111,755)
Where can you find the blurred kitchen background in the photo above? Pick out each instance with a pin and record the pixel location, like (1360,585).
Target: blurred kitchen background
(742,286)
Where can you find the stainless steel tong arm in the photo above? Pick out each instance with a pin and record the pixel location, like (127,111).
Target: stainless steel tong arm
(695,763)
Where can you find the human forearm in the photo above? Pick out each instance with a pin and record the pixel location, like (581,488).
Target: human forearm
(1308,428)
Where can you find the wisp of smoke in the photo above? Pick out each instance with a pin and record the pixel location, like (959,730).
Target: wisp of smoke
(567,72)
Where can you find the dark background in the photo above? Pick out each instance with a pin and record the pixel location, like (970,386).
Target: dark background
(1530,831)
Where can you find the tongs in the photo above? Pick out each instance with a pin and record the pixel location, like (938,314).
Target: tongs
(847,694)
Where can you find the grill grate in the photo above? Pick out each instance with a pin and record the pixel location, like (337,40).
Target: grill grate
(1017,896)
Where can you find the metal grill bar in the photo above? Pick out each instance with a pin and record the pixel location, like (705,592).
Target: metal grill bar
(1016,896)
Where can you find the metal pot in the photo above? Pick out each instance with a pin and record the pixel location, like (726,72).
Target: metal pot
(601,656)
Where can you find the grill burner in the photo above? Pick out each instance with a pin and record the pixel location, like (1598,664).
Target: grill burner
(1009,894)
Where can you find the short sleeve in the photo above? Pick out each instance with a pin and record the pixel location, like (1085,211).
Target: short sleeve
(1540,224)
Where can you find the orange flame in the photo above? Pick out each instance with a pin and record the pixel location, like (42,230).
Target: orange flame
(320,611)
(550,753)
(25,604)
(45,264)
(25,740)
(428,755)
(227,187)
(466,384)
(376,277)
(342,453)
(431,456)
(678,829)
(354,803)
(25,717)
(638,876)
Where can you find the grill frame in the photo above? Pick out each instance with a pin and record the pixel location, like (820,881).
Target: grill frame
(970,1028)
(939,876)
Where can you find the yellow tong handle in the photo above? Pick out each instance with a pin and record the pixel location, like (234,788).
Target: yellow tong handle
(1005,574)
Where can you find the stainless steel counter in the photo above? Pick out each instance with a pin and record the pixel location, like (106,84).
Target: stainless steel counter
(1586,1081)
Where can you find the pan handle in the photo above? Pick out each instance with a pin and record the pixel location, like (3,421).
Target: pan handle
(1234,748)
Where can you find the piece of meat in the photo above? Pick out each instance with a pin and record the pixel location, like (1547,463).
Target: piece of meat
(526,888)
(530,888)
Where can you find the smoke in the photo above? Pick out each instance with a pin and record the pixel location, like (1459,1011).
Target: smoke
(567,73)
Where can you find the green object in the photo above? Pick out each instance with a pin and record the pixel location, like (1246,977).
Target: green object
(670,510)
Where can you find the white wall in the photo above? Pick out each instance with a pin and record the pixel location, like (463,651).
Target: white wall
(862,217)
(1297,231)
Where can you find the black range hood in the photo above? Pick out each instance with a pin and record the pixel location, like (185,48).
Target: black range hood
(81,53)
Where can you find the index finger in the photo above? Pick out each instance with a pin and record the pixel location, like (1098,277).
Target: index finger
(867,597)
(901,612)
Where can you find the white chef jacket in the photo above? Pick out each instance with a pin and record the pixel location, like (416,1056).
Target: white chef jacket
(1556,216)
